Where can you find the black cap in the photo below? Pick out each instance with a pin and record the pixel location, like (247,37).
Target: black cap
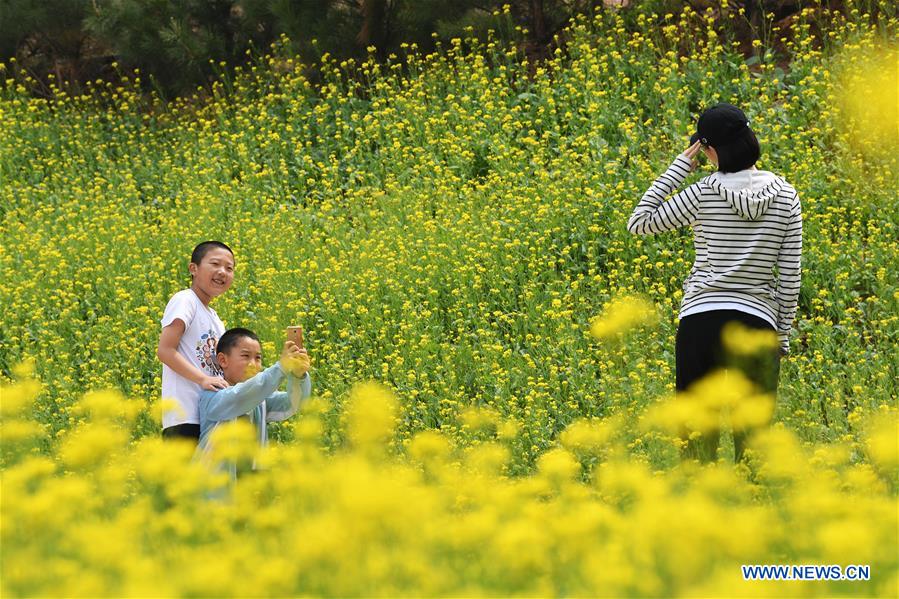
(720,125)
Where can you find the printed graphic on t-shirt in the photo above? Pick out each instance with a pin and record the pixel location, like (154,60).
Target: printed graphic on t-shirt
(206,353)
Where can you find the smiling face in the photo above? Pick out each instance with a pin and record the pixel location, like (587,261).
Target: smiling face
(213,275)
(241,361)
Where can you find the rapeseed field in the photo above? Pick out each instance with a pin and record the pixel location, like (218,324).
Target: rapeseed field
(492,351)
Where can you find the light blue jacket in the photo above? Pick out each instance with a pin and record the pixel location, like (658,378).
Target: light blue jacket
(256,398)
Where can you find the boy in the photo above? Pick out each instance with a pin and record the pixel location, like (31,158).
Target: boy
(252,393)
(190,332)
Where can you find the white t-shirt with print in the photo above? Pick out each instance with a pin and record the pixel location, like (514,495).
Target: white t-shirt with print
(202,330)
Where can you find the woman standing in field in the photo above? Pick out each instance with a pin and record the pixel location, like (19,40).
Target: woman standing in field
(747,233)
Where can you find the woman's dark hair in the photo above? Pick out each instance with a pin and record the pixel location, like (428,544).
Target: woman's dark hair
(231,337)
(739,154)
(204,248)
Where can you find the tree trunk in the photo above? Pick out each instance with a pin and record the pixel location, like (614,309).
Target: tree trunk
(372,32)
(538,18)
(753,9)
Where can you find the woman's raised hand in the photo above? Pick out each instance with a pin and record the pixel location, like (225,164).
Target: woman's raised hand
(691,153)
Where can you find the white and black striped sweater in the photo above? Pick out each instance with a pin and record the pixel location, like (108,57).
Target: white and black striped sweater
(745,225)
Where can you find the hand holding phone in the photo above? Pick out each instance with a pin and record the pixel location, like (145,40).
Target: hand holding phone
(295,334)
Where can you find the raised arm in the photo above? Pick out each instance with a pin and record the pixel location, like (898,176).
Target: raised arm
(789,276)
(236,401)
(281,406)
(653,214)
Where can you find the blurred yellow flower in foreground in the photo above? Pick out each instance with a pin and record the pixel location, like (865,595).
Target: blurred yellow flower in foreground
(589,437)
(883,441)
(742,340)
(700,407)
(296,365)
(480,418)
(429,447)
(107,516)
(18,398)
(234,441)
(558,466)
(108,405)
(621,315)
(88,445)
(370,414)
(165,405)
(250,371)
(865,89)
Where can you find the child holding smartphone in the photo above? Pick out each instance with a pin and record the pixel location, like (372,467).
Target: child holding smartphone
(251,393)
(191,330)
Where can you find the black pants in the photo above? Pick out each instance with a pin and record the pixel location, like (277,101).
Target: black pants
(699,350)
(182,431)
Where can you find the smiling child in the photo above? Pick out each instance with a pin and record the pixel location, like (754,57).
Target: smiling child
(190,331)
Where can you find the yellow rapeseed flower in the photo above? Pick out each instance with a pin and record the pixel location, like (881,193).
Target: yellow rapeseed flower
(621,315)
(370,415)
(742,340)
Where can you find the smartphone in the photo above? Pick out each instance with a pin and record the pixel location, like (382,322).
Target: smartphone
(295,334)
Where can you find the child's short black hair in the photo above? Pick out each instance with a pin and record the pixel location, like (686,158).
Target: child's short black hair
(231,337)
(204,247)
(740,154)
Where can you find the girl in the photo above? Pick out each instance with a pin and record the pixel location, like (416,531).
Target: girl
(746,223)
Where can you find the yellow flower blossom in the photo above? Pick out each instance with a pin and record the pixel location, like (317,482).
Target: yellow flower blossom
(622,314)
(741,340)
(370,415)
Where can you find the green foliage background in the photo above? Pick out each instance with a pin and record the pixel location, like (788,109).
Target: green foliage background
(180,46)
